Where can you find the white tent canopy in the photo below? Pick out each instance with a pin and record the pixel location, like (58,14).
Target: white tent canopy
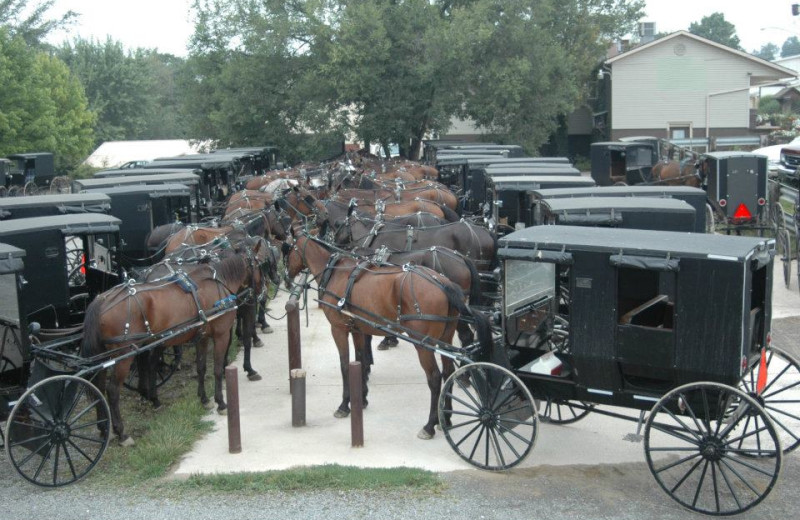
(112,154)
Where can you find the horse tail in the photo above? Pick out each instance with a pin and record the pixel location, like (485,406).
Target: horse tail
(92,342)
(475,293)
(449,214)
(481,322)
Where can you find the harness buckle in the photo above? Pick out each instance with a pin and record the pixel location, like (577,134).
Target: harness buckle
(341,303)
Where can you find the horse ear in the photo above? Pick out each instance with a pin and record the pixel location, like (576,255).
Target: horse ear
(285,248)
(296,187)
(323,228)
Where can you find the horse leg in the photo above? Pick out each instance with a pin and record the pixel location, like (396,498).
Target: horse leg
(465,334)
(100,381)
(248,320)
(340,338)
(359,345)
(428,362)
(365,355)
(112,391)
(222,340)
(201,353)
(448,367)
(155,357)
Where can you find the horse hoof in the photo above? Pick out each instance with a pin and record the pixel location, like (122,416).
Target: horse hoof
(258,343)
(208,406)
(267,330)
(425,436)
(222,411)
(127,443)
(255,376)
(341,414)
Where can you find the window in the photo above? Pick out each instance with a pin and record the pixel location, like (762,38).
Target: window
(528,282)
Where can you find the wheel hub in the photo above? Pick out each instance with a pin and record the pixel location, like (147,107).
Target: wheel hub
(712,449)
(61,432)
(486,417)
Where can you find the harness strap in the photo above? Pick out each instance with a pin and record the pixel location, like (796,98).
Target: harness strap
(351,280)
(409,238)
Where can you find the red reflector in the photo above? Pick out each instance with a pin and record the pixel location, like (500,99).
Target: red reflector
(761,201)
(83,264)
(742,212)
(723,202)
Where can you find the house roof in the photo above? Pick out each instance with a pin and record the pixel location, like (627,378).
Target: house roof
(779,72)
(785,90)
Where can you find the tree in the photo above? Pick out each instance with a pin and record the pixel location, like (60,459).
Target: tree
(716,28)
(768,105)
(30,21)
(42,106)
(791,47)
(767,52)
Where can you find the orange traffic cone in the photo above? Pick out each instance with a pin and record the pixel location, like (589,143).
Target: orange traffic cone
(762,372)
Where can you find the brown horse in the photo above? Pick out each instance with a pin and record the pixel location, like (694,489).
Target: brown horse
(424,303)
(190,306)
(441,196)
(396,209)
(674,173)
(249,200)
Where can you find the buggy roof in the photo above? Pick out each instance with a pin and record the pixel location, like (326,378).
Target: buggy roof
(641,204)
(633,241)
(10,259)
(470,151)
(535,182)
(460,158)
(622,145)
(31,155)
(485,146)
(38,201)
(520,169)
(171,178)
(131,172)
(154,190)
(74,223)
(619,191)
(730,155)
(533,161)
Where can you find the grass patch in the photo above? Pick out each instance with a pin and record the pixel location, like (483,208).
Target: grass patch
(315,478)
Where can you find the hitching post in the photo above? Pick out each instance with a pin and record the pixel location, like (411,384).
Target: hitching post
(232,391)
(293,324)
(356,405)
(297,385)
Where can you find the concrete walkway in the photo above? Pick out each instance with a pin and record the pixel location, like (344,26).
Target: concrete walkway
(398,407)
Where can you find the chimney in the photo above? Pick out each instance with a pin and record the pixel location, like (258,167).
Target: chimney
(647,32)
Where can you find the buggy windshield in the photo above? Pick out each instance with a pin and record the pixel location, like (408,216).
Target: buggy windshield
(528,282)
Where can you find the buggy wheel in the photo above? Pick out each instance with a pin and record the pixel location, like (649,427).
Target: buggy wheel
(784,247)
(556,411)
(58,431)
(710,226)
(30,188)
(490,421)
(780,398)
(167,365)
(60,184)
(702,454)
(778,216)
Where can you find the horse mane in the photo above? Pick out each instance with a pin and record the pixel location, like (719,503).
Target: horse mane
(231,269)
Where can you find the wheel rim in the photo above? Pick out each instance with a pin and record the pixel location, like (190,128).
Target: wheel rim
(709,219)
(58,431)
(702,453)
(780,397)
(490,421)
(564,412)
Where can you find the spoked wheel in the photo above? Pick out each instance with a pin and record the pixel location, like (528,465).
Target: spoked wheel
(555,411)
(784,246)
(701,452)
(167,365)
(490,421)
(30,188)
(780,398)
(60,184)
(57,431)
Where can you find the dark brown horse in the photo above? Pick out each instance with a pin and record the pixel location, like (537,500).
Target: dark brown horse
(674,173)
(396,209)
(424,303)
(441,196)
(186,308)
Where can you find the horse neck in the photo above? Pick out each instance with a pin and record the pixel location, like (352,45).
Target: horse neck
(233,272)
(313,255)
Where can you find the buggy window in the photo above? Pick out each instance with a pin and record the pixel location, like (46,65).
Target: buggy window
(527,282)
(645,297)
(9,310)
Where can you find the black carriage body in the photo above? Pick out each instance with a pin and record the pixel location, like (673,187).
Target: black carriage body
(507,200)
(695,197)
(452,169)
(647,311)
(38,168)
(50,205)
(263,158)
(628,162)
(200,207)
(140,210)
(736,183)
(5,172)
(14,346)
(656,214)
(478,179)
(219,173)
(67,257)
(508,150)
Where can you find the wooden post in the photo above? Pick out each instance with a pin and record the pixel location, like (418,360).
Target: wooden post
(297,385)
(293,328)
(356,405)
(232,393)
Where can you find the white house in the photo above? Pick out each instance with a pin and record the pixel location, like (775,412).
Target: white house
(684,86)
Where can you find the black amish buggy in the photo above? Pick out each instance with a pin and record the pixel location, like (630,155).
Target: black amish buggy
(49,205)
(431,147)
(479,178)
(736,184)
(509,150)
(200,207)
(673,325)
(264,158)
(133,172)
(69,259)
(695,197)
(142,208)
(5,174)
(452,169)
(220,174)
(37,168)
(657,214)
(507,201)
(622,162)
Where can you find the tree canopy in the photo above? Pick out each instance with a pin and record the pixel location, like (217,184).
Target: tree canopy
(768,51)
(42,106)
(716,28)
(791,47)
(31,20)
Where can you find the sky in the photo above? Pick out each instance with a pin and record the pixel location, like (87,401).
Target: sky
(166,24)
